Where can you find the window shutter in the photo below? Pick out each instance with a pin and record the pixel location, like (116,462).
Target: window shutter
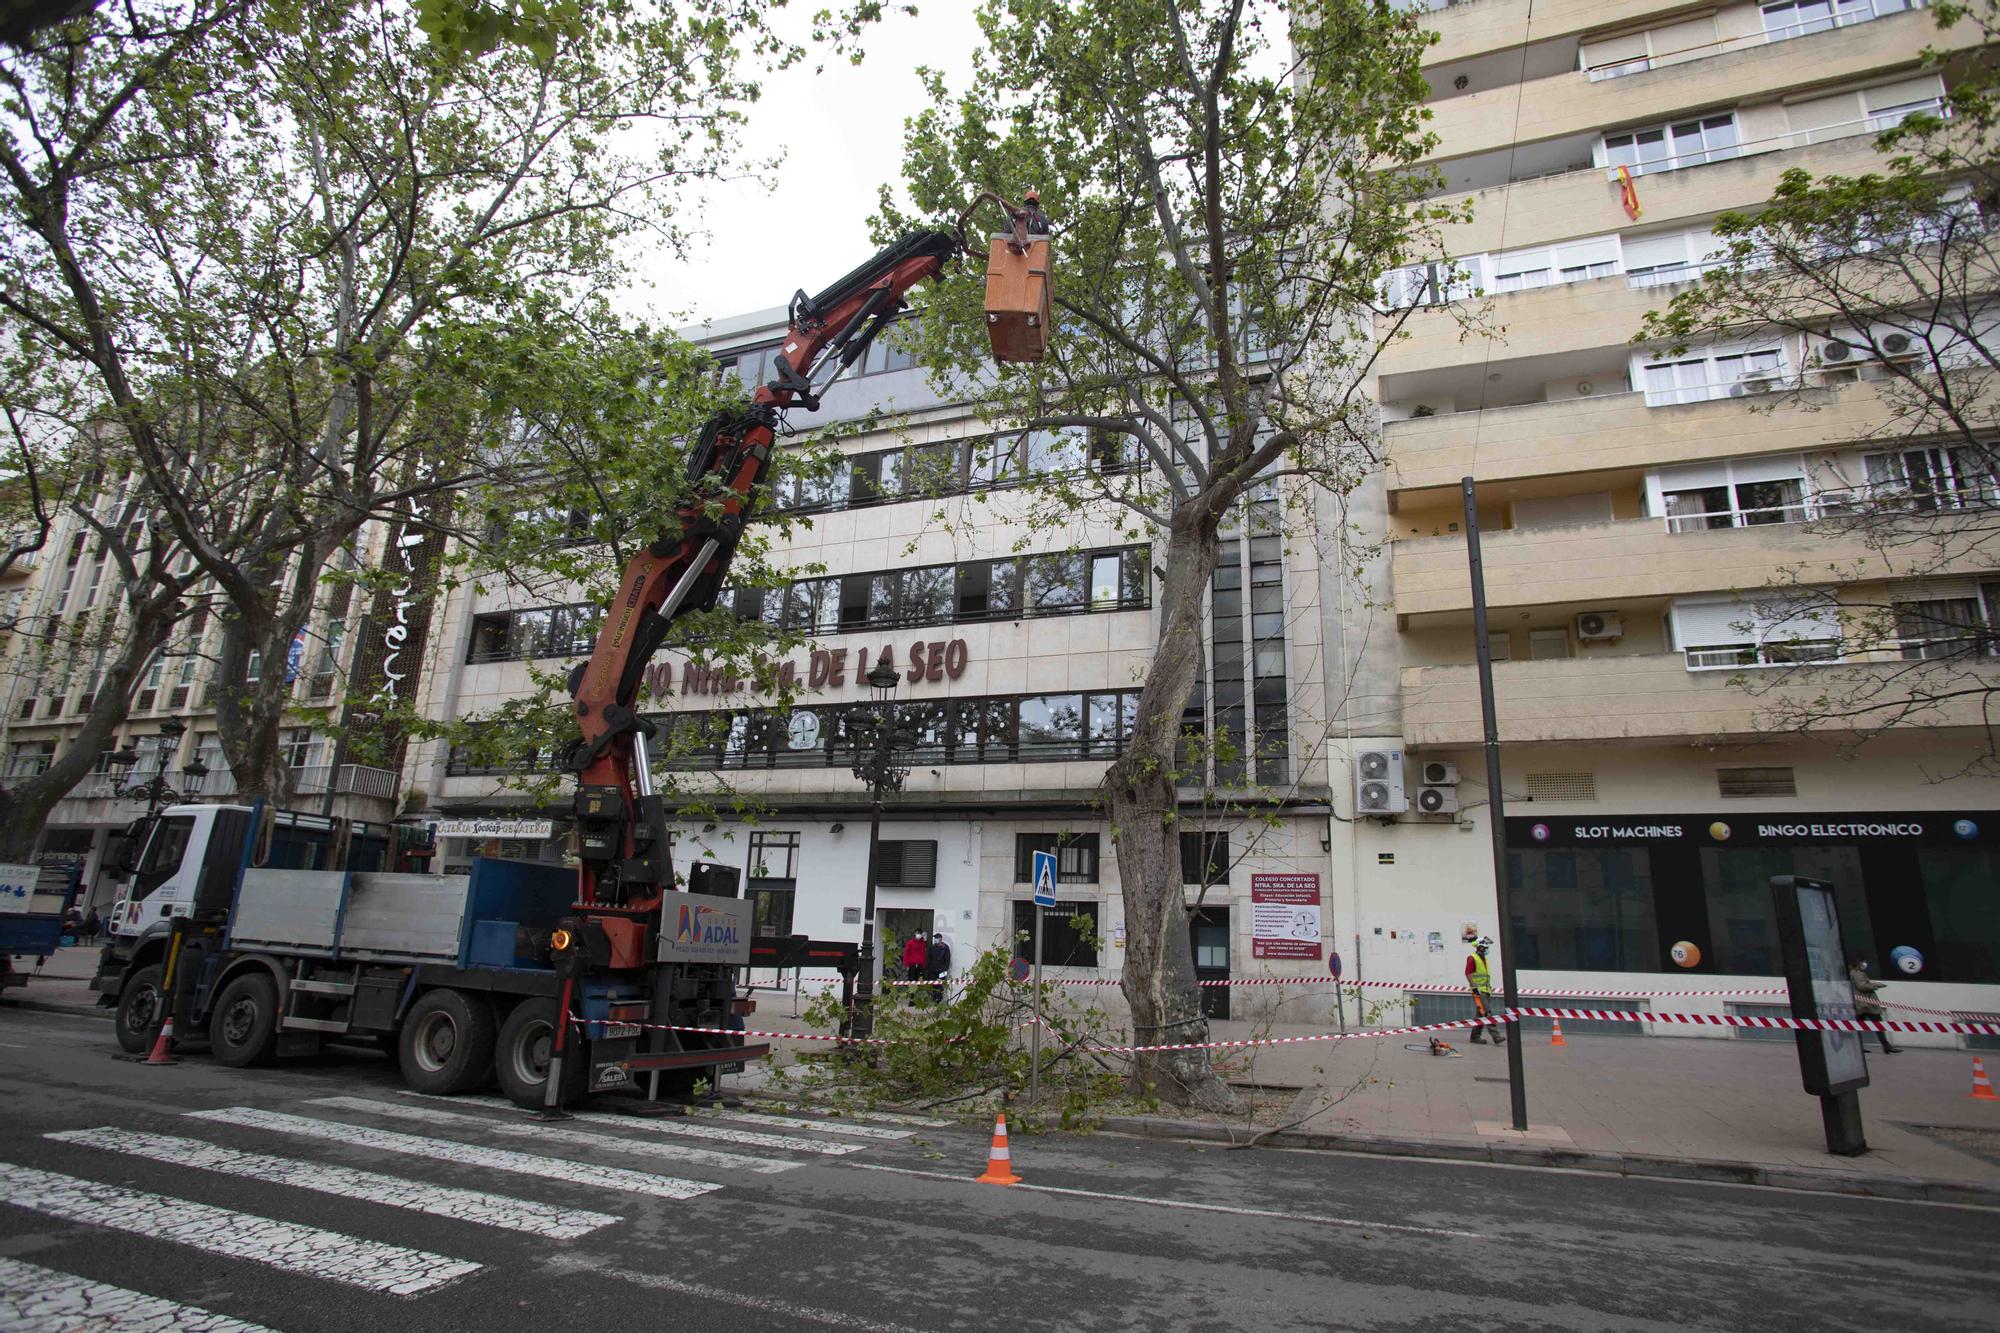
(1779,467)
(1592,250)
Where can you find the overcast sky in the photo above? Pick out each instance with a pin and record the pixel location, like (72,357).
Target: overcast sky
(842,133)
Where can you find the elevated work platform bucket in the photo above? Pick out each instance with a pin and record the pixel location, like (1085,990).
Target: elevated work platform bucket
(1017,299)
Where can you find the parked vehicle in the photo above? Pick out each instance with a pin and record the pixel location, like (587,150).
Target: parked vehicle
(458,974)
(35,906)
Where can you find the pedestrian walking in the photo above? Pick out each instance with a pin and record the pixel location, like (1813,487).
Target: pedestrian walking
(1479,980)
(916,955)
(1866,1006)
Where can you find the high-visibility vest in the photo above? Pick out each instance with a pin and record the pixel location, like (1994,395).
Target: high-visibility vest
(1480,978)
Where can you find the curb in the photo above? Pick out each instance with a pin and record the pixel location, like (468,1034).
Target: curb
(55,1007)
(1635,1165)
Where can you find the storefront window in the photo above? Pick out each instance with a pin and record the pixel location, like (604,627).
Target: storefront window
(1742,925)
(1589,909)
(1962,890)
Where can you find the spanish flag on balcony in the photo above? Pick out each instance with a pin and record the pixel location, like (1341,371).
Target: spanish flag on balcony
(1628,194)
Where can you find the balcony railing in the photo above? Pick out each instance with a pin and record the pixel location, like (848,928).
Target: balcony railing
(359,780)
(1863,13)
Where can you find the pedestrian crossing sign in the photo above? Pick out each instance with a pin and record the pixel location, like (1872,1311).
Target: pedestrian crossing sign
(1045,879)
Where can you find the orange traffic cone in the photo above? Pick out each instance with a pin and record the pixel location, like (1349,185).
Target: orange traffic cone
(1557,1039)
(1982,1087)
(163,1045)
(999,1165)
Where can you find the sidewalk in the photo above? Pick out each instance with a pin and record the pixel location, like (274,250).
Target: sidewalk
(63,984)
(1663,1105)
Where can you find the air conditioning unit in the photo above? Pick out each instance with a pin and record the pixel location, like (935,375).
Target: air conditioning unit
(1600,625)
(1437,800)
(1833,351)
(1378,783)
(1440,773)
(1898,344)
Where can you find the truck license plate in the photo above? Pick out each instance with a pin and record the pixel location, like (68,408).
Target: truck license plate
(605,1031)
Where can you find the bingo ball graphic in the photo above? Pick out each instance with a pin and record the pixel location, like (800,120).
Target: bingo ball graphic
(1539,832)
(1684,954)
(1906,959)
(1719,831)
(1965,828)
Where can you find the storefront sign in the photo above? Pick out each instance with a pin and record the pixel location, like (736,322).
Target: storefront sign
(494,828)
(927,660)
(1926,828)
(1284,916)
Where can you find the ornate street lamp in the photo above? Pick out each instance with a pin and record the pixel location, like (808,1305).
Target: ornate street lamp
(875,740)
(155,787)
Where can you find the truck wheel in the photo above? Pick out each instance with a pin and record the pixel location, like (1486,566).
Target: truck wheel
(447,1042)
(527,1040)
(141,1010)
(243,1027)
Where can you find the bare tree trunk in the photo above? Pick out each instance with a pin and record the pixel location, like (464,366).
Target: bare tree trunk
(1159,979)
(25,805)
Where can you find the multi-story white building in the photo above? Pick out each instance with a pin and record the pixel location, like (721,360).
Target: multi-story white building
(1021,649)
(1628,498)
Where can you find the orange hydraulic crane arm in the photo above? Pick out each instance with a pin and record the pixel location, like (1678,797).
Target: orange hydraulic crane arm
(620,820)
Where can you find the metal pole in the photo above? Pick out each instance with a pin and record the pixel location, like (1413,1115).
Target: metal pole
(1035,1033)
(1517,1087)
(864,988)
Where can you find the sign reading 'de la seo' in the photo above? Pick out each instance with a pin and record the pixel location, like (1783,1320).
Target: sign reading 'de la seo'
(1284,916)
(826,668)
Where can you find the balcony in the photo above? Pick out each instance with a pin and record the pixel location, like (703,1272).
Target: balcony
(1573,103)
(348,780)
(1585,201)
(1484,27)
(1615,432)
(1611,698)
(1629,560)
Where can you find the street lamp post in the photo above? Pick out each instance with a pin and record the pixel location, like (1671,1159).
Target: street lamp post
(875,764)
(155,788)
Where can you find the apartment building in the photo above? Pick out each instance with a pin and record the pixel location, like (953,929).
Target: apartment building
(1629,498)
(1020,649)
(63,621)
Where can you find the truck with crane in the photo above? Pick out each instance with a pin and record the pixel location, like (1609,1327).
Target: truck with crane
(557,981)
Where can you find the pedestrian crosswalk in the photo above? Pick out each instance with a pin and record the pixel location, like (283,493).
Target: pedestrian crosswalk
(561,1182)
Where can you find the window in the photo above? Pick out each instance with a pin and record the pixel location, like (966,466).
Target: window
(1055,582)
(1051,722)
(772,882)
(989,589)
(1547,644)
(1797,18)
(906,863)
(1114,453)
(29,759)
(1724,634)
(1714,373)
(1500,646)
(541,631)
(1063,944)
(1756,782)
(1928,480)
(1688,143)
(1204,858)
(1076,856)
(1431,284)
(891,351)
(1936,628)
(1551,265)
(1058,452)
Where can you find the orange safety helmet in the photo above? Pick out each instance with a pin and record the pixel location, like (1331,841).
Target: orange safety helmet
(1033,196)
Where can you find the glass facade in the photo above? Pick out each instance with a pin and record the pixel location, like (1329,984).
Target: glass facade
(1923,879)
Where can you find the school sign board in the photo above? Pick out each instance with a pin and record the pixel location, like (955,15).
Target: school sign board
(1284,916)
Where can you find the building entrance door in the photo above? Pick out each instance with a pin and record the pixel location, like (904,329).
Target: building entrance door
(1208,932)
(897,925)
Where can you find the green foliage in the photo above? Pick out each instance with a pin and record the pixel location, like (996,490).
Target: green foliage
(971,1043)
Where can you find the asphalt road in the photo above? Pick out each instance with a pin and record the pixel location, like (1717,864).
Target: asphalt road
(317,1196)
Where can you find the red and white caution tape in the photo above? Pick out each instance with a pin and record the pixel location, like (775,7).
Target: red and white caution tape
(1758,1021)
(1457,1024)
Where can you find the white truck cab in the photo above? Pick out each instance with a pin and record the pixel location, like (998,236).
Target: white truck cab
(188,845)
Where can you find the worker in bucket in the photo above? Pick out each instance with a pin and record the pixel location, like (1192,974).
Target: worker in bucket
(1479,980)
(1037,220)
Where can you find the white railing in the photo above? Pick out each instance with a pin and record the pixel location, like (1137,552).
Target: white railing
(1614,69)
(1740,518)
(1777,653)
(360,780)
